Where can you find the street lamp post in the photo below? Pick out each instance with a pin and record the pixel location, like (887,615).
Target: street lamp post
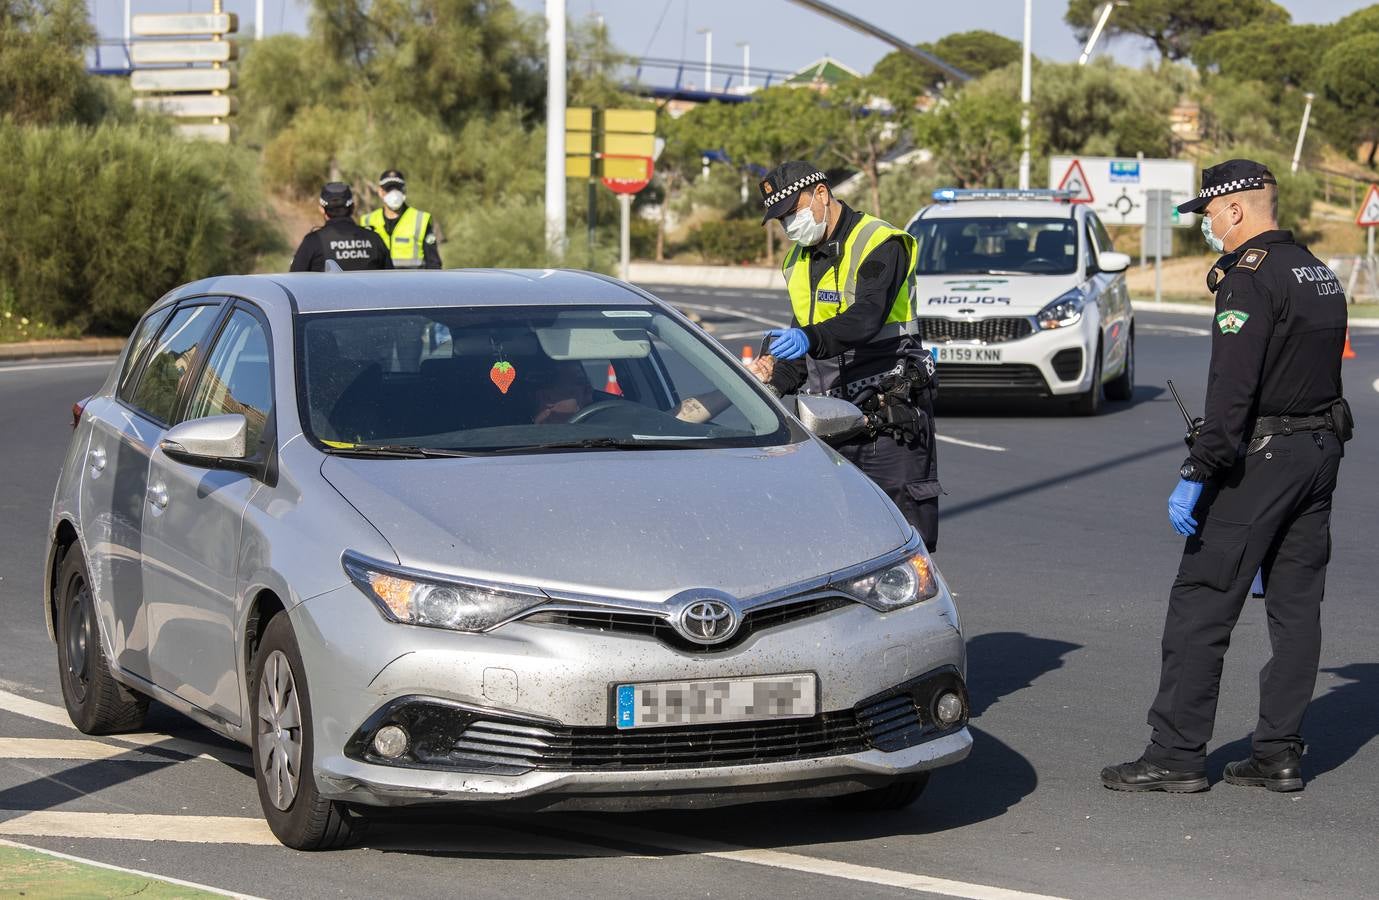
(1302,131)
(258,20)
(1024,102)
(555,129)
(746,65)
(708,57)
(1096,33)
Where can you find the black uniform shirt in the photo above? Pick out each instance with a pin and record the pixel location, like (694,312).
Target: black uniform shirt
(351,245)
(879,279)
(1276,344)
(430,251)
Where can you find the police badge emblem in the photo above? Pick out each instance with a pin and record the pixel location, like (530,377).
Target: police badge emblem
(1231,321)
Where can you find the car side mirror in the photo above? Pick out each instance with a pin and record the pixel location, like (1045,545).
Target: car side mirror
(1111,261)
(831,419)
(211,443)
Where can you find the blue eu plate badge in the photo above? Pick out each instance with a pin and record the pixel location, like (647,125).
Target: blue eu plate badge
(627,705)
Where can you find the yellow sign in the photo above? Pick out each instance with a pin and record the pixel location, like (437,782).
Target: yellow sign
(629,144)
(578,167)
(579,143)
(622,169)
(630,121)
(579,118)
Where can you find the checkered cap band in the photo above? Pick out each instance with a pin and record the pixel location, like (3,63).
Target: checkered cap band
(797,185)
(1230,187)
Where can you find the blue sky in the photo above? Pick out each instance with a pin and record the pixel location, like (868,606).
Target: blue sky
(782,35)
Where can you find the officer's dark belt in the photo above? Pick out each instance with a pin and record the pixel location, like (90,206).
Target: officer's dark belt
(1266,426)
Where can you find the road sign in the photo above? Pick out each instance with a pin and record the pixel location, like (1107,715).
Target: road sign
(195,23)
(158,52)
(1118,186)
(172,80)
(630,121)
(626,174)
(629,144)
(1075,181)
(189,106)
(1369,210)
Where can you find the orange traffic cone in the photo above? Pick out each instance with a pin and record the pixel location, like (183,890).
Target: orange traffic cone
(1348,352)
(746,354)
(612,386)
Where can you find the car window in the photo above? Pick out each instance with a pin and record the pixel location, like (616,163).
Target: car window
(993,246)
(172,360)
(509,379)
(138,343)
(237,377)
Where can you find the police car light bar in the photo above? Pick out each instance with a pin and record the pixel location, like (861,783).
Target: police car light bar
(952,195)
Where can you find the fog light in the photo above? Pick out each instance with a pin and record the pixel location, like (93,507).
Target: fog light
(390,742)
(948,709)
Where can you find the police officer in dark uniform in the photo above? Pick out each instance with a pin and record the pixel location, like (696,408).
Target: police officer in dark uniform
(350,245)
(1254,492)
(853,334)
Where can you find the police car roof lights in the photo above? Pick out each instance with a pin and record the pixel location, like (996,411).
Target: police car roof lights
(952,195)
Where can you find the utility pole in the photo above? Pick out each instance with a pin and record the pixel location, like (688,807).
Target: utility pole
(258,20)
(746,65)
(1024,102)
(708,57)
(128,32)
(1302,131)
(555,129)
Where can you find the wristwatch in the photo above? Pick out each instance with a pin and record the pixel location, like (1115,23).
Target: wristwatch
(1189,471)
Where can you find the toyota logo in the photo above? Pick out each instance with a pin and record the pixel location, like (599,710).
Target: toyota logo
(708,621)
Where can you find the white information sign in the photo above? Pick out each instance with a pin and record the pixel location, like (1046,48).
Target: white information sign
(1115,187)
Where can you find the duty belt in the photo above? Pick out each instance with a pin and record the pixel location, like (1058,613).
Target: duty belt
(852,388)
(1271,425)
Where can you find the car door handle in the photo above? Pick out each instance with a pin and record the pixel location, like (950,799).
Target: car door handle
(97,459)
(158,495)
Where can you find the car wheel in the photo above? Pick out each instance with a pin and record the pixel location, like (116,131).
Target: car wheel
(899,794)
(1122,388)
(97,703)
(1089,403)
(283,746)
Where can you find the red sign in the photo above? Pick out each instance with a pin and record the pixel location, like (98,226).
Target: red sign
(1074,180)
(624,182)
(1369,210)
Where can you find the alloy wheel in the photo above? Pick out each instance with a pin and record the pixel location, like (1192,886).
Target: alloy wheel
(279,730)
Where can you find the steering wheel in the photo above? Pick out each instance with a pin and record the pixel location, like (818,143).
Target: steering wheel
(593,409)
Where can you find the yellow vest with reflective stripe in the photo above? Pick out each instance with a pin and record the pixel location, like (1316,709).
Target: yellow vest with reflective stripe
(404,244)
(837,288)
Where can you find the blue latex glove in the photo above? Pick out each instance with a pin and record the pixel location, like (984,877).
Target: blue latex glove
(1180,506)
(789,343)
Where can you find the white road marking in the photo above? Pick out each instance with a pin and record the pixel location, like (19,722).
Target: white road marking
(139,872)
(104,361)
(1174,329)
(735,313)
(796,862)
(56,715)
(44,748)
(139,827)
(960,442)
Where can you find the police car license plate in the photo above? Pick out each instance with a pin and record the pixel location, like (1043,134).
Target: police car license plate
(662,703)
(969,355)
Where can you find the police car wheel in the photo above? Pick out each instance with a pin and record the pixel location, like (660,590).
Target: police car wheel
(899,794)
(1090,403)
(1121,389)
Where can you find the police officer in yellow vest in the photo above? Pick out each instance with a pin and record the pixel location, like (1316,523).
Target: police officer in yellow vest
(854,335)
(409,232)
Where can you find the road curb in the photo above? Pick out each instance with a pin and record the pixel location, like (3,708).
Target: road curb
(48,349)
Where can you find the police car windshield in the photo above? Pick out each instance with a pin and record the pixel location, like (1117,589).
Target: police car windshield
(484,380)
(996,246)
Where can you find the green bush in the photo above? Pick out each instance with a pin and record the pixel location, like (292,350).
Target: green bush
(115,216)
(729,242)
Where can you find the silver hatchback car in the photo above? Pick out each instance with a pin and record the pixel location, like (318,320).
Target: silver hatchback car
(521,536)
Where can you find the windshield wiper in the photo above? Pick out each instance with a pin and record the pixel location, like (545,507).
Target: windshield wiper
(400,451)
(608,443)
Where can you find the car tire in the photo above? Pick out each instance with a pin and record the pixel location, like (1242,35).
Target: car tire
(1121,389)
(283,747)
(1090,403)
(96,702)
(900,793)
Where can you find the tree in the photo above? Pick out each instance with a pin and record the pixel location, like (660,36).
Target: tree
(1281,56)
(43,79)
(975,135)
(900,78)
(1102,109)
(862,132)
(1173,26)
(1349,75)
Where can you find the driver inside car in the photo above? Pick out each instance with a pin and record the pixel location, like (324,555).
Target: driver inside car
(566,390)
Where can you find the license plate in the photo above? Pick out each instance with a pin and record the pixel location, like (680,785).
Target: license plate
(969,354)
(661,703)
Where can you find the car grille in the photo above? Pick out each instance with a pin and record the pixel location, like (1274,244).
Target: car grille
(663,631)
(996,379)
(1067,364)
(986,331)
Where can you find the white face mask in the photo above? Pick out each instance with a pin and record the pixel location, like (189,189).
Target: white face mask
(394,199)
(801,227)
(1214,241)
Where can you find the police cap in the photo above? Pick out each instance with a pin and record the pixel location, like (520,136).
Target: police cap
(337,195)
(392,178)
(1229,177)
(781,184)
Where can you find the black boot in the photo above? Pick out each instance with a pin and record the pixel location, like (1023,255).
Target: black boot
(1280,772)
(1143,775)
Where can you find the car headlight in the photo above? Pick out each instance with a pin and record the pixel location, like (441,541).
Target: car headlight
(436,601)
(899,584)
(1065,311)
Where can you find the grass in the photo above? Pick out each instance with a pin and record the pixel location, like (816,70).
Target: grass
(28,873)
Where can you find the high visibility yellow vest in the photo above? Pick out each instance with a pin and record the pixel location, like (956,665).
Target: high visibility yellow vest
(837,289)
(404,244)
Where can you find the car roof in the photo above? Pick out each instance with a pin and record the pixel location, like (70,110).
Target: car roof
(1000,209)
(313,292)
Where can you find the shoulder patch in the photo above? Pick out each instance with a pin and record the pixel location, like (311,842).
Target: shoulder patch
(1252,258)
(1230,321)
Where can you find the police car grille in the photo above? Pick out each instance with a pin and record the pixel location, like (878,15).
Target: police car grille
(663,631)
(1024,379)
(987,331)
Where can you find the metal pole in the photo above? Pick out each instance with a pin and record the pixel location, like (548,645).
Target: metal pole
(904,46)
(746,66)
(1096,33)
(708,57)
(1025,100)
(555,129)
(625,239)
(1302,131)
(258,20)
(1159,246)
(593,220)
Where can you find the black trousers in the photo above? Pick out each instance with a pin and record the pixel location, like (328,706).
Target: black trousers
(1272,510)
(908,475)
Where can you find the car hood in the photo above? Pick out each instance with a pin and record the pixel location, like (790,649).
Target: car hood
(628,524)
(987,296)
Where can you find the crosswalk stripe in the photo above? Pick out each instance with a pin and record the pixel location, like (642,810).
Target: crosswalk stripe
(138,827)
(45,748)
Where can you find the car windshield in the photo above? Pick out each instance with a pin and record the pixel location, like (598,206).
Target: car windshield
(448,381)
(995,246)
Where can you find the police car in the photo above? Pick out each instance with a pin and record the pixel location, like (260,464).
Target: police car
(1021,294)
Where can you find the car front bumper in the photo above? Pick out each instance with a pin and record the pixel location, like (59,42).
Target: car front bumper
(1054,363)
